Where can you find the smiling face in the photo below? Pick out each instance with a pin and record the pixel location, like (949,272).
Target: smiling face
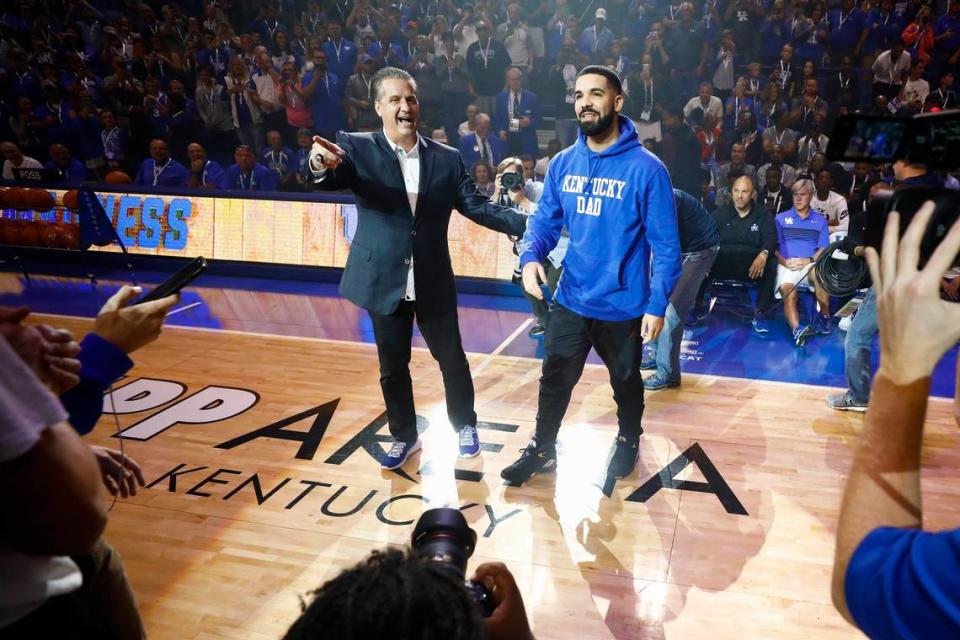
(596,103)
(398,107)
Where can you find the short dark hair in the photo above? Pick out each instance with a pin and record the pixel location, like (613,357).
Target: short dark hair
(385,74)
(597,70)
(391,594)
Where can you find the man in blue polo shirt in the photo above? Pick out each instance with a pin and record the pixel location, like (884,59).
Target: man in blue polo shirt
(249,175)
(278,157)
(160,170)
(800,239)
(324,93)
(204,173)
(71,169)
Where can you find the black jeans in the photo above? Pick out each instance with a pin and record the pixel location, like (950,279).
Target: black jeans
(566,344)
(735,265)
(442,334)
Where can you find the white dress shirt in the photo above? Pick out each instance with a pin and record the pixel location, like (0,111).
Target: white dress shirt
(410,168)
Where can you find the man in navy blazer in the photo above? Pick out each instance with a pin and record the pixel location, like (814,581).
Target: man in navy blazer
(516,116)
(399,266)
(480,145)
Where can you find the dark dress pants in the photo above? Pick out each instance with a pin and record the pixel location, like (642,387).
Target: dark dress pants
(566,345)
(735,265)
(441,332)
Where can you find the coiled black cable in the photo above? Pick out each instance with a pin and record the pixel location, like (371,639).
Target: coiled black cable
(840,277)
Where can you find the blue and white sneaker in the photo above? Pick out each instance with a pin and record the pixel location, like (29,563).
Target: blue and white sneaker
(760,325)
(398,454)
(469,442)
(801,334)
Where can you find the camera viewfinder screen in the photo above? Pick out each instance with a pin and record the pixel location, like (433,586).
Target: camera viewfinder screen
(875,139)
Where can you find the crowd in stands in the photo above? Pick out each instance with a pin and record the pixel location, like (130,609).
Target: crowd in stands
(227,94)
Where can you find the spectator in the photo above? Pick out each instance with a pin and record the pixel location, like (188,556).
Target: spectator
(562,77)
(699,245)
(784,70)
(811,144)
(596,40)
(780,134)
(882,27)
(181,125)
(890,577)
(680,150)
(774,196)
(304,145)
(831,204)
(71,169)
(916,89)
(812,35)
(324,95)
(454,87)
(723,74)
(51,119)
(737,164)
(293,100)
(482,174)
(384,51)
(13,158)
(341,53)
(269,88)
(748,237)
(944,97)
(517,115)
(709,137)
(214,106)
(737,105)
(800,239)
(282,51)
(645,94)
(469,125)
(487,61)
(706,102)
(540,169)
(788,173)
(743,17)
(889,70)
(247,117)
(277,157)
(160,170)
(516,39)
(808,106)
(480,146)
(204,173)
(844,86)
(359,100)
(687,48)
(21,124)
(847,25)
(918,36)
(246,174)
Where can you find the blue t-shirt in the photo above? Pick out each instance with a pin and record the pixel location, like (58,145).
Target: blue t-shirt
(905,583)
(801,238)
(170,174)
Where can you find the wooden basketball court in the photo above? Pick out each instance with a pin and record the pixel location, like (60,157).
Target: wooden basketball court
(258,453)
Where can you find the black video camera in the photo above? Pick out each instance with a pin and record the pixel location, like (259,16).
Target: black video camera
(929,139)
(443,535)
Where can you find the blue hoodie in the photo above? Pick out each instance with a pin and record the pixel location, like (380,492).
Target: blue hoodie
(617,205)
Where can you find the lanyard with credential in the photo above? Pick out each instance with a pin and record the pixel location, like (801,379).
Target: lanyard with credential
(158,171)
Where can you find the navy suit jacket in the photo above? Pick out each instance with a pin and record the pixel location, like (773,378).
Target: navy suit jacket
(530,107)
(388,232)
(470,150)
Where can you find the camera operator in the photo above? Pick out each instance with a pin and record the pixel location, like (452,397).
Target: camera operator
(891,578)
(859,339)
(419,592)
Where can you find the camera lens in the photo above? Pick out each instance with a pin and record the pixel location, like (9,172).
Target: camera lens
(444,535)
(511,181)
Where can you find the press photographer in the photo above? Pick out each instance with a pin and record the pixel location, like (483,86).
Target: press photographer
(419,592)
(892,579)
(512,190)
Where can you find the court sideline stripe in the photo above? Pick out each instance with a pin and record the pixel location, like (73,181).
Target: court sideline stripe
(500,347)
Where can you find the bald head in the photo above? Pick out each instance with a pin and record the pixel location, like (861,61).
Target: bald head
(742,194)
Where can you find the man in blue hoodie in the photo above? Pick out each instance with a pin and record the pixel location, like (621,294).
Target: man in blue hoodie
(616,200)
